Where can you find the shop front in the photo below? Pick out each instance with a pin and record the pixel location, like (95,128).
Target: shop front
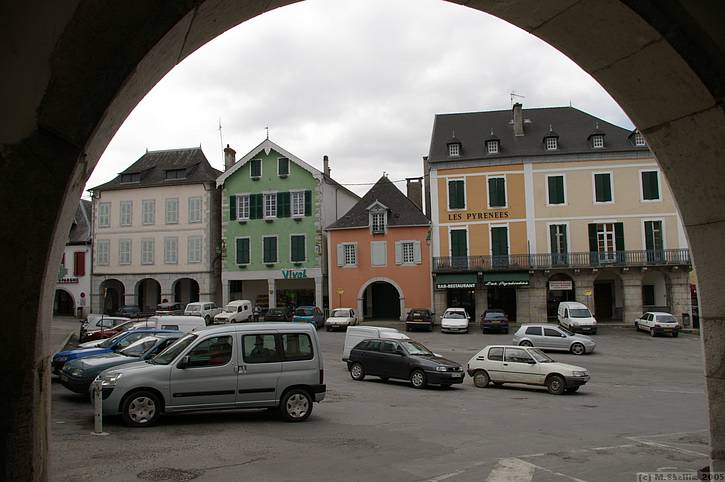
(502,290)
(459,291)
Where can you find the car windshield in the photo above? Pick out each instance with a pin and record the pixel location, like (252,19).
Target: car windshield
(171,352)
(454,315)
(415,348)
(580,313)
(230,308)
(666,319)
(341,313)
(191,308)
(420,313)
(109,342)
(303,312)
(275,311)
(540,356)
(495,316)
(139,347)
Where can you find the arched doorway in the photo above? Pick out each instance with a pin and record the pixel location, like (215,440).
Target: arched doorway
(148,294)
(186,290)
(654,292)
(608,297)
(381,300)
(63,304)
(112,294)
(560,287)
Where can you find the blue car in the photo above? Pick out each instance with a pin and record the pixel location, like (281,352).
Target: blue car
(309,314)
(113,344)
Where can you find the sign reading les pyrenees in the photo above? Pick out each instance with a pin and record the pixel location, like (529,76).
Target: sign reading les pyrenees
(478,215)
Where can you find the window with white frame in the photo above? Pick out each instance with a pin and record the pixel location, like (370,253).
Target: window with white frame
(347,254)
(597,141)
(270,205)
(378,221)
(194,249)
(639,140)
(171,250)
(492,147)
(243,206)
(104,215)
(147,251)
(298,203)
(124,251)
(408,252)
(194,210)
(148,211)
(172,211)
(103,252)
(552,143)
(126,213)
(454,150)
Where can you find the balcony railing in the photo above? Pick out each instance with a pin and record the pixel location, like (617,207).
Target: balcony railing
(517,262)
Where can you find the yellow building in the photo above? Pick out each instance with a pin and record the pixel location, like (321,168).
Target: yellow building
(530,208)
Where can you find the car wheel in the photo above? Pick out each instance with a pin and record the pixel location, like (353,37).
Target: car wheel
(296,405)
(636,326)
(526,343)
(572,389)
(555,384)
(357,371)
(651,332)
(328,328)
(207,320)
(417,378)
(674,334)
(481,379)
(141,409)
(578,349)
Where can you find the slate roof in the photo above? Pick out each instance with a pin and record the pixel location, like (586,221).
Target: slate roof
(80,230)
(152,166)
(572,126)
(401,210)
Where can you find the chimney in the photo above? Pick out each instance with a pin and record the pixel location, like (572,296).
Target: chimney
(229,157)
(518,120)
(414,187)
(326,166)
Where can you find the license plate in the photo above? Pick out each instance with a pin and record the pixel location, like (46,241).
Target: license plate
(495,322)
(456,375)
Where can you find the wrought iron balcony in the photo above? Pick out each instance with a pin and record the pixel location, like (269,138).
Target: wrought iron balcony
(518,262)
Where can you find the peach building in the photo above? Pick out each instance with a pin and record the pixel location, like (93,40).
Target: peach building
(379,262)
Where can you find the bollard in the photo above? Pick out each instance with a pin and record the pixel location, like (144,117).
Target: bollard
(98,408)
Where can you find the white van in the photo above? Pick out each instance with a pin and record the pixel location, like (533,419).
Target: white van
(576,317)
(356,334)
(187,324)
(235,312)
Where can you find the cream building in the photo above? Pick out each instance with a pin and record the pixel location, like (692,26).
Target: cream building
(156,232)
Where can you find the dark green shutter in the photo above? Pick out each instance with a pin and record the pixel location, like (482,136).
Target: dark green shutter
(649,238)
(556,190)
(458,243)
(452,188)
(564,245)
(283,166)
(283,204)
(497,192)
(308,203)
(650,187)
(232,208)
(243,251)
(298,248)
(552,238)
(593,245)
(499,241)
(255,206)
(256,167)
(619,241)
(270,250)
(603,187)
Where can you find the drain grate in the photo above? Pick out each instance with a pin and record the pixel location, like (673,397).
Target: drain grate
(165,473)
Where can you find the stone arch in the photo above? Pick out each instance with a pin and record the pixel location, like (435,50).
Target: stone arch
(147,294)
(564,289)
(380,279)
(63,303)
(111,296)
(608,296)
(185,290)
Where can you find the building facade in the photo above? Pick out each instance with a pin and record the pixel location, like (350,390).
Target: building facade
(380,254)
(530,208)
(274,206)
(73,288)
(156,232)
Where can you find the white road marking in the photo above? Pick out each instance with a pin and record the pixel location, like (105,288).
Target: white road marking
(669,447)
(512,470)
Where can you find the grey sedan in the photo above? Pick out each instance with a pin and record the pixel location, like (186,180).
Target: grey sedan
(552,337)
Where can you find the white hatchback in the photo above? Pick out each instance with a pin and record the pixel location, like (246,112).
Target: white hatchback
(527,365)
(455,320)
(340,318)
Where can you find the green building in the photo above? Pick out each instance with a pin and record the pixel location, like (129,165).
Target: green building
(274,206)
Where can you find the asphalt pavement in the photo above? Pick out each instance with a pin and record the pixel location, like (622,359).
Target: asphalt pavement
(644,410)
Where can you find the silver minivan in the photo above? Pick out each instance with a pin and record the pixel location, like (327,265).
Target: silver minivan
(260,365)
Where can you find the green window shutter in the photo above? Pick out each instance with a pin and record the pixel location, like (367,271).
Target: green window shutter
(243,251)
(552,238)
(298,248)
(255,206)
(619,236)
(256,167)
(649,239)
(458,243)
(456,195)
(499,241)
(308,203)
(283,204)
(650,186)
(593,245)
(497,192)
(283,166)
(232,208)
(556,190)
(564,246)
(603,187)
(270,250)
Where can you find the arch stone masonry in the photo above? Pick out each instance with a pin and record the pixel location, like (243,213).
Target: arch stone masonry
(369,282)
(73,72)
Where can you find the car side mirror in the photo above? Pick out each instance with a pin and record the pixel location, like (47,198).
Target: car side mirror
(399,351)
(184,362)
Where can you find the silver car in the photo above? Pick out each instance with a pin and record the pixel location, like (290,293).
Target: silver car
(553,337)
(231,366)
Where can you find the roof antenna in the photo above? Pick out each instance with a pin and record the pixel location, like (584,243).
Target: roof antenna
(514,94)
(267,127)
(569,102)
(221,140)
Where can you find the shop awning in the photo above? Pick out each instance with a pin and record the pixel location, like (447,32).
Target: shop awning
(457,280)
(515,278)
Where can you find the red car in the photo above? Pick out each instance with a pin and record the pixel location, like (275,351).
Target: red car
(104,328)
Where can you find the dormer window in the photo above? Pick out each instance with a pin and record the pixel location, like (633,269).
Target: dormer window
(597,141)
(377,221)
(454,149)
(492,147)
(171,174)
(639,140)
(552,143)
(133,177)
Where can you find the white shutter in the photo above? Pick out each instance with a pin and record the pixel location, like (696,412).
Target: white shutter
(340,254)
(398,253)
(416,252)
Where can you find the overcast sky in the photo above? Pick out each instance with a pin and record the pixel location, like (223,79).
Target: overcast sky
(358,80)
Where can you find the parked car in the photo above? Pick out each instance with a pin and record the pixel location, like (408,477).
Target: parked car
(309,314)
(235,312)
(356,334)
(341,318)
(520,364)
(402,359)
(494,320)
(104,333)
(576,317)
(658,323)
(205,309)
(169,309)
(419,318)
(455,320)
(552,337)
(173,322)
(129,311)
(98,324)
(250,365)
(115,343)
(77,375)
(278,314)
